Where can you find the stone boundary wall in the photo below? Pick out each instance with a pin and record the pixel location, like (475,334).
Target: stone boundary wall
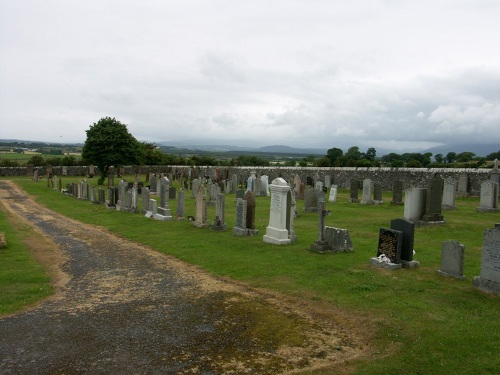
(411,177)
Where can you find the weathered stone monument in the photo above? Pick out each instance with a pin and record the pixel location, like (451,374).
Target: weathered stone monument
(240,229)
(219,221)
(333,194)
(452,259)
(310,200)
(377,193)
(434,199)
(179,210)
(164,213)
(250,219)
(397,193)
(201,219)
(489,279)
(339,240)
(367,192)
(320,245)
(353,192)
(414,205)
(278,230)
(449,194)
(488,201)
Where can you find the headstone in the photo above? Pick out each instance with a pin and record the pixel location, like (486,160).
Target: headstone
(449,193)
(488,201)
(164,213)
(64,170)
(240,193)
(407,229)
(389,249)
(91,171)
(240,229)
(102,196)
(463,185)
(339,240)
(434,200)
(111,181)
(264,192)
(277,232)
(377,193)
(172,193)
(495,174)
(35,175)
(489,279)
(219,221)
(195,188)
(414,204)
(367,192)
(152,188)
(452,259)
(145,199)
(179,210)
(333,194)
(201,208)
(310,200)
(318,185)
(353,192)
(328,181)
(234,183)
(250,220)
(302,188)
(397,193)
(320,245)
(292,213)
(296,185)
(250,183)
(110,201)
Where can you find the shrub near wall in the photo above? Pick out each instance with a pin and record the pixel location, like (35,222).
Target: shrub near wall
(411,177)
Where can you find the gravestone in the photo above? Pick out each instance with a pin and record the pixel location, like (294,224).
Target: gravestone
(353,192)
(250,220)
(407,228)
(195,188)
(152,187)
(111,181)
(296,184)
(310,200)
(102,198)
(397,193)
(91,171)
(277,232)
(414,205)
(367,192)
(433,201)
(452,259)
(339,240)
(152,209)
(258,187)
(449,194)
(219,224)
(333,194)
(172,193)
(240,193)
(250,183)
(488,201)
(463,185)
(201,219)
(292,213)
(240,229)
(302,189)
(320,245)
(265,186)
(389,249)
(234,183)
(318,186)
(110,201)
(35,175)
(377,193)
(328,181)
(489,279)
(145,199)
(495,174)
(179,210)
(164,213)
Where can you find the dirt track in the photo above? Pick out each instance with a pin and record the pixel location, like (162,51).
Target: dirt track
(123,308)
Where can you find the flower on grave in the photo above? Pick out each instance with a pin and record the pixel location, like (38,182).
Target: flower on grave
(382,258)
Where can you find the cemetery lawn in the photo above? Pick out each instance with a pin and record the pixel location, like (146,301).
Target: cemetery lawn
(420,322)
(23,280)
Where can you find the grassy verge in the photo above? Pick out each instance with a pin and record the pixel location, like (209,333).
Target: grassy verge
(426,323)
(23,281)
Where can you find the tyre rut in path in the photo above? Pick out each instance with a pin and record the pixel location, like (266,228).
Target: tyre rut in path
(121,307)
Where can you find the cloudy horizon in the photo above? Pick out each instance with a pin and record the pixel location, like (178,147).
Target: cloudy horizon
(373,73)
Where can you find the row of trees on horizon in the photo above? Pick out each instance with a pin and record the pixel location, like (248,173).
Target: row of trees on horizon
(109,143)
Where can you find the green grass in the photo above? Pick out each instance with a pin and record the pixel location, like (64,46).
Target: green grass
(425,323)
(22,280)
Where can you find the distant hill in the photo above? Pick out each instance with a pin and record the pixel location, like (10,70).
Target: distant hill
(478,149)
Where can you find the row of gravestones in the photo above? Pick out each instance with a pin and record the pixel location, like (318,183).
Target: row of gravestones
(395,245)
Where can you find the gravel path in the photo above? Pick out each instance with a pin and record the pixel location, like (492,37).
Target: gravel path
(122,308)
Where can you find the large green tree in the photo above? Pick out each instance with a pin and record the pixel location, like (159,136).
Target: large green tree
(110,144)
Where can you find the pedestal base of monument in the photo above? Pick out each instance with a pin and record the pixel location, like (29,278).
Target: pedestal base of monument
(446,274)
(423,223)
(276,236)
(322,247)
(484,209)
(240,232)
(163,214)
(253,232)
(353,200)
(410,263)
(486,285)
(390,266)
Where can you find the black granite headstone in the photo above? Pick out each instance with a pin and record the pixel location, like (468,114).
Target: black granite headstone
(389,244)
(408,230)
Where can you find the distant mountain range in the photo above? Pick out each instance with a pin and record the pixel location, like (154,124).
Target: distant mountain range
(477,149)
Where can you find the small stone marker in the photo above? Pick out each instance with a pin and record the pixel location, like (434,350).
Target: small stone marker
(449,194)
(489,279)
(353,193)
(488,201)
(339,240)
(452,259)
(333,194)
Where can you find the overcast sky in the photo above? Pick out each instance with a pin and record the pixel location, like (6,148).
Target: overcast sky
(397,74)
